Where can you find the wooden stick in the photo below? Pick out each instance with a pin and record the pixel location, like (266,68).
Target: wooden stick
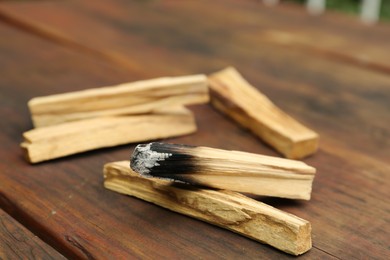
(226,209)
(56,141)
(222,169)
(131,98)
(234,96)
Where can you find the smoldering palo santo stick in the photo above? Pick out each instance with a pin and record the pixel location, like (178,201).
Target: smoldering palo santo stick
(223,169)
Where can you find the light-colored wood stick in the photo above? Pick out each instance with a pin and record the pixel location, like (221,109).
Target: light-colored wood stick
(68,138)
(131,98)
(234,96)
(224,169)
(226,209)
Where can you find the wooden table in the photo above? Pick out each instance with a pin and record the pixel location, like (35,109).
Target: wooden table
(329,72)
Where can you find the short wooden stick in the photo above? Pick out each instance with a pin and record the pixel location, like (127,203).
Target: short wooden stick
(234,96)
(50,142)
(139,97)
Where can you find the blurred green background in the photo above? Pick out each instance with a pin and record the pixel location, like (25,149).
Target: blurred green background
(352,7)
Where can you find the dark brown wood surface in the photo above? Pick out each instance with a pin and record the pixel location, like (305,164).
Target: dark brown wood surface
(318,76)
(18,242)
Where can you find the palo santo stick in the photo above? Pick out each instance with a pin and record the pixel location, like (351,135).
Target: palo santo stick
(222,169)
(131,98)
(226,209)
(234,96)
(56,141)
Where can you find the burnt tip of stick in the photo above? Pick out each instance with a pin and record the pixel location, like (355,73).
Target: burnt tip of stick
(162,160)
(144,159)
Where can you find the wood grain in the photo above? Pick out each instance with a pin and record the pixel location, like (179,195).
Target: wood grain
(64,201)
(238,99)
(334,36)
(133,98)
(224,208)
(238,171)
(17,242)
(56,141)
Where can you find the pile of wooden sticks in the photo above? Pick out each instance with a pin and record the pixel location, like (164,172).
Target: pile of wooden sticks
(146,110)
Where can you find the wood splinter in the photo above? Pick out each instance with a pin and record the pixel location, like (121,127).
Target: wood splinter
(222,169)
(234,96)
(227,209)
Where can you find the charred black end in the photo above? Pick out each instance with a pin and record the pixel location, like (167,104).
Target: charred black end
(182,160)
(170,161)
